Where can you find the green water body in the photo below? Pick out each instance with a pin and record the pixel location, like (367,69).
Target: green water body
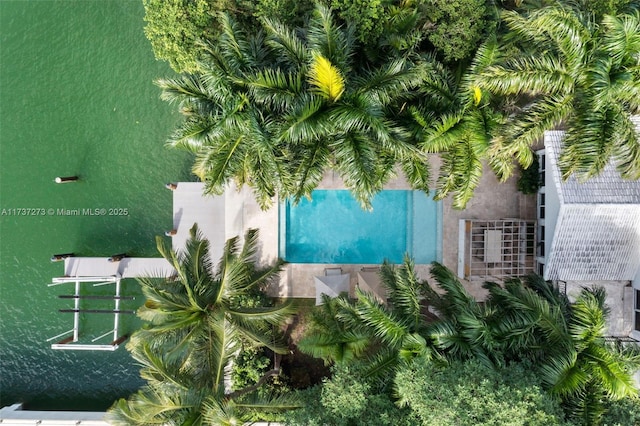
(76,98)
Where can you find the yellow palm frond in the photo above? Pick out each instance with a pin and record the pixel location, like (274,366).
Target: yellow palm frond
(326,78)
(477,95)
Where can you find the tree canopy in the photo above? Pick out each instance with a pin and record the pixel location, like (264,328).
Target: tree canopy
(531,322)
(194,329)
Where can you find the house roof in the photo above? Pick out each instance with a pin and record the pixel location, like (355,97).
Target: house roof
(600,242)
(597,231)
(607,188)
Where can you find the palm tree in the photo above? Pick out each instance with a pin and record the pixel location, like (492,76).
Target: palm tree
(233,139)
(340,113)
(576,73)
(463,126)
(528,320)
(195,326)
(275,110)
(328,337)
(462,329)
(592,370)
(383,335)
(531,320)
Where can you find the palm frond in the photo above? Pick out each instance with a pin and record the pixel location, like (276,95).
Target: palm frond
(285,42)
(460,173)
(529,126)
(331,41)
(531,76)
(358,163)
(309,170)
(156,406)
(326,79)
(386,325)
(621,38)
(275,88)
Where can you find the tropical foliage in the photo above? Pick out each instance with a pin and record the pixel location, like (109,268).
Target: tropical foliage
(193,331)
(463,127)
(174,28)
(470,393)
(530,180)
(180,29)
(533,321)
(521,321)
(578,73)
(275,112)
(456,28)
(384,335)
(462,393)
(349,397)
(622,412)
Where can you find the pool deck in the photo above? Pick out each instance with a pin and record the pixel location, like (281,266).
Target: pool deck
(492,200)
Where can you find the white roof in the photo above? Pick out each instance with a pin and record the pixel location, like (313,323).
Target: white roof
(597,231)
(595,242)
(607,187)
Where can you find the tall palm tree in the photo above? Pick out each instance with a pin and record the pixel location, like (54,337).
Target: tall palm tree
(328,336)
(576,73)
(233,139)
(462,329)
(531,320)
(339,113)
(591,371)
(528,320)
(276,108)
(194,328)
(463,126)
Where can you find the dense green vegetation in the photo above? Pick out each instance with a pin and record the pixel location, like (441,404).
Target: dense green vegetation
(197,321)
(276,92)
(281,91)
(424,337)
(275,111)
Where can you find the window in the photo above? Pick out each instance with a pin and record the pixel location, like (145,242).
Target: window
(541,248)
(541,205)
(541,241)
(541,168)
(636,311)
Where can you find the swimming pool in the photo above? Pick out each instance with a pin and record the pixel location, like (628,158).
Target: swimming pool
(333,228)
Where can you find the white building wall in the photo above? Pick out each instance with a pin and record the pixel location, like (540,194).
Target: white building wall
(552,207)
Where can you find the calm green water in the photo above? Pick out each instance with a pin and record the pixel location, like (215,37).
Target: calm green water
(76,98)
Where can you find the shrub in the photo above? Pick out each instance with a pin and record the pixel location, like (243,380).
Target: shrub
(248,367)
(469,393)
(457,27)
(367,16)
(174,28)
(348,398)
(529,180)
(289,12)
(622,413)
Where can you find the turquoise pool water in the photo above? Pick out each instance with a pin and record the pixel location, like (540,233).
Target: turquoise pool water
(332,228)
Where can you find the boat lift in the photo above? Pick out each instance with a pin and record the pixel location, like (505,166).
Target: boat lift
(70,342)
